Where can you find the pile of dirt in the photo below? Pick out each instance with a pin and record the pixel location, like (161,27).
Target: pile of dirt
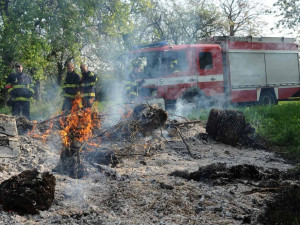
(282,207)
(222,174)
(28,192)
(230,127)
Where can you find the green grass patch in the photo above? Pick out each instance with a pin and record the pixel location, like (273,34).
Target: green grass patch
(201,114)
(5,110)
(279,124)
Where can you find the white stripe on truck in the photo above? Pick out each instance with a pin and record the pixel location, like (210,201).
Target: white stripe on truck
(183,80)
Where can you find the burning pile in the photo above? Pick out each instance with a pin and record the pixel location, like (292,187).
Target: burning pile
(79,124)
(77,127)
(81,127)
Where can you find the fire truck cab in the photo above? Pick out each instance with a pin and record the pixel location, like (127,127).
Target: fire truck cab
(228,69)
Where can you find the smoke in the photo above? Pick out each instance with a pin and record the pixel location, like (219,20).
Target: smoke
(116,99)
(50,102)
(76,193)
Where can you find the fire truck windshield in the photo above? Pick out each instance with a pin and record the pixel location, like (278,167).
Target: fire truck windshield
(153,64)
(148,64)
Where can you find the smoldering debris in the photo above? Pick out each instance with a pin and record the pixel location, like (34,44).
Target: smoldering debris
(70,162)
(102,156)
(23,125)
(143,120)
(225,125)
(229,174)
(28,192)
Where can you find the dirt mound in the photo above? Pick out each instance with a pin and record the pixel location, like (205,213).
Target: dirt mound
(28,192)
(232,173)
(283,207)
(226,125)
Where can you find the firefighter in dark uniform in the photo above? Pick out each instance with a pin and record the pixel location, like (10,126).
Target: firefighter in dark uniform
(70,87)
(133,82)
(87,86)
(20,89)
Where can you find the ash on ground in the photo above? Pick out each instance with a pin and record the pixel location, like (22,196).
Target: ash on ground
(139,188)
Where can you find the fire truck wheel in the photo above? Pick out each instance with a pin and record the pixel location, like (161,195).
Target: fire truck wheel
(268,98)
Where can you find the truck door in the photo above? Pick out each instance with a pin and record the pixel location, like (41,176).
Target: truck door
(176,70)
(210,71)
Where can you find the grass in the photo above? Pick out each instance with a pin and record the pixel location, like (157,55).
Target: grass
(279,124)
(5,110)
(41,110)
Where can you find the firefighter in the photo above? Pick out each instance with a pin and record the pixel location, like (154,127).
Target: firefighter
(70,87)
(173,67)
(132,84)
(20,89)
(87,86)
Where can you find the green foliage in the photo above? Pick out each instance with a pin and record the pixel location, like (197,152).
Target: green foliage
(178,22)
(5,110)
(47,34)
(289,13)
(242,17)
(201,114)
(280,124)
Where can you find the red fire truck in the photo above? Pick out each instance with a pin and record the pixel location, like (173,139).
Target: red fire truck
(228,69)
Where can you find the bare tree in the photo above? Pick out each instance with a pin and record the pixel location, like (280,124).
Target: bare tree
(180,22)
(241,16)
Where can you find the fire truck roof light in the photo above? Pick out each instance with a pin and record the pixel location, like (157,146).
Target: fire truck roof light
(152,45)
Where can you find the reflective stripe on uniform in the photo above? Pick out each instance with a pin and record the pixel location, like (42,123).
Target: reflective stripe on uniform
(88,95)
(22,99)
(69,96)
(87,84)
(131,83)
(70,85)
(132,93)
(26,86)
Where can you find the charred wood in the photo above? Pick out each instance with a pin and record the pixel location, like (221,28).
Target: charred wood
(144,120)
(70,162)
